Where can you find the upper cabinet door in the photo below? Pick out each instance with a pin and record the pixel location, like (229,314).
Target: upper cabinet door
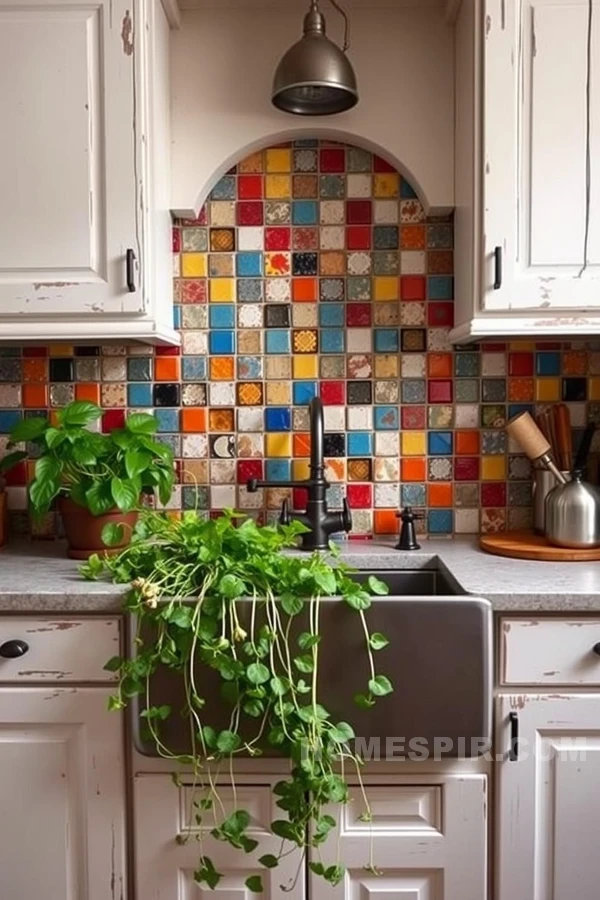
(535,149)
(68,166)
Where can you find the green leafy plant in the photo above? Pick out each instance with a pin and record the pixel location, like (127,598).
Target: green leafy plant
(97,471)
(227,598)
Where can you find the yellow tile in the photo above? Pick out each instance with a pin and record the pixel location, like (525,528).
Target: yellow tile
(547,389)
(279,160)
(493,468)
(522,346)
(193,265)
(279,444)
(386,184)
(593,388)
(61,350)
(300,469)
(305,366)
(278,187)
(414,443)
(222,290)
(252,163)
(385,288)
(386,365)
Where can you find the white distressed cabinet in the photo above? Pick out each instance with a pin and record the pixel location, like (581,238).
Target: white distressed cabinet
(84,169)
(521,145)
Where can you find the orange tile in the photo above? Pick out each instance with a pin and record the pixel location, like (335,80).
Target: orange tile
(413,470)
(304,290)
(520,390)
(220,420)
(35,370)
(467,443)
(301,443)
(222,368)
(439,494)
(412,237)
(193,419)
(439,365)
(89,392)
(35,396)
(385,521)
(166,368)
(574,362)
(337,468)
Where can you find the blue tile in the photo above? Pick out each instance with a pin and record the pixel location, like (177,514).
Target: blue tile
(193,368)
(304,391)
(177,316)
(334,495)
(221,315)
(304,212)
(387,340)
(277,469)
(413,494)
(249,368)
(413,390)
(360,443)
(331,315)
(332,340)
(515,409)
(224,189)
(249,265)
(386,418)
(440,443)
(466,365)
(139,368)
(139,394)
(406,191)
(277,341)
(222,343)
(278,418)
(439,521)
(440,287)
(8,418)
(168,419)
(547,363)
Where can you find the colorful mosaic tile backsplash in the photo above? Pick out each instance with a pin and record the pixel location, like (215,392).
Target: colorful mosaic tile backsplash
(313,270)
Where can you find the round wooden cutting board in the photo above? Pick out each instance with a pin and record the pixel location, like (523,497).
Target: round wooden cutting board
(526,545)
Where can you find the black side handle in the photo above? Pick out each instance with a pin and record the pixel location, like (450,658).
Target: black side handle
(497,268)
(13,649)
(513,750)
(596,649)
(130,276)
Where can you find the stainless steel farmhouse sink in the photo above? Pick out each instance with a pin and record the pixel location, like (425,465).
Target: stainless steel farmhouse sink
(439,660)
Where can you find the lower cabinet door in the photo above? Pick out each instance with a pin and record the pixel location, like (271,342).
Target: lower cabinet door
(62,795)
(169,843)
(548,803)
(427,840)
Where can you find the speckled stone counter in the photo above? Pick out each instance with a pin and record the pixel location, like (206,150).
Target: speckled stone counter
(37,577)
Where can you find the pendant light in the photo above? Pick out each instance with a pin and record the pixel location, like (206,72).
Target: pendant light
(315,77)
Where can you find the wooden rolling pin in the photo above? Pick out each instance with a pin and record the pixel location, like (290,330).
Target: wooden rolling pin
(533,443)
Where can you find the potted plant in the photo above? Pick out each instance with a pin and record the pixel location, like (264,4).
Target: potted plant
(97,479)
(215,600)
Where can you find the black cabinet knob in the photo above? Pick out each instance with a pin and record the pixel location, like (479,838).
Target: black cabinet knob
(13,649)
(596,649)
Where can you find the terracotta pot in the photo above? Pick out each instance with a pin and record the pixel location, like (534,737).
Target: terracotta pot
(83,530)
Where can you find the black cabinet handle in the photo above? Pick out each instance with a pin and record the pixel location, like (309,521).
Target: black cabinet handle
(130,276)
(497,268)
(596,649)
(513,750)
(13,649)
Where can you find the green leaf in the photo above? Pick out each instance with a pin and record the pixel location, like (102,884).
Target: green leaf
(28,429)
(279,686)
(228,741)
(124,493)
(363,701)
(181,616)
(210,736)
(257,673)
(317,868)
(98,498)
(268,861)
(304,663)
(376,586)
(334,874)
(46,485)
(113,664)
(207,873)
(92,568)
(141,423)
(380,686)
(248,844)
(231,586)
(115,704)
(325,579)
(307,640)
(83,454)
(55,437)
(136,462)
(80,412)
(291,604)
(253,708)
(11,459)
(359,600)
(342,732)
(378,641)
(254,884)
(112,534)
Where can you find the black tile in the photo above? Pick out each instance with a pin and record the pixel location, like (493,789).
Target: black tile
(87,351)
(304,263)
(61,369)
(574,389)
(222,446)
(277,315)
(359,393)
(334,444)
(165,394)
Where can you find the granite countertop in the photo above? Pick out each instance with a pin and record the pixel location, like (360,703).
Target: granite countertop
(37,577)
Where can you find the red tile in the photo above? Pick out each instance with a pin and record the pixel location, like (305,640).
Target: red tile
(249,213)
(17,475)
(35,352)
(493,347)
(358,212)
(440,315)
(358,237)
(250,187)
(194,290)
(358,315)
(520,363)
(413,418)
(380,165)
(332,393)
(466,468)
(305,239)
(249,468)
(493,494)
(548,345)
(166,350)
(439,391)
(333,159)
(113,418)
(412,287)
(299,499)
(176,240)
(360,496)
(278,238)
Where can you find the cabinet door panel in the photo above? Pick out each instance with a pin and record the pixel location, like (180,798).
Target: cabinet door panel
(68,158)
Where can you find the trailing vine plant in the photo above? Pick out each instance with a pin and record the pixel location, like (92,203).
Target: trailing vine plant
(221,594)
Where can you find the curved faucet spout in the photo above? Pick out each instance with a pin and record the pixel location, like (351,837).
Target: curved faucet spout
(317,437)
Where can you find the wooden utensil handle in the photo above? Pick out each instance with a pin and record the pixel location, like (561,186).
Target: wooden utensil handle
(563,436)
(529,437)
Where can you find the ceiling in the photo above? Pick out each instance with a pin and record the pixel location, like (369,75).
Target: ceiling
(303,4)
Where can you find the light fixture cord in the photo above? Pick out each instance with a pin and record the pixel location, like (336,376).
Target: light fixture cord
(588,151)
(342,13)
